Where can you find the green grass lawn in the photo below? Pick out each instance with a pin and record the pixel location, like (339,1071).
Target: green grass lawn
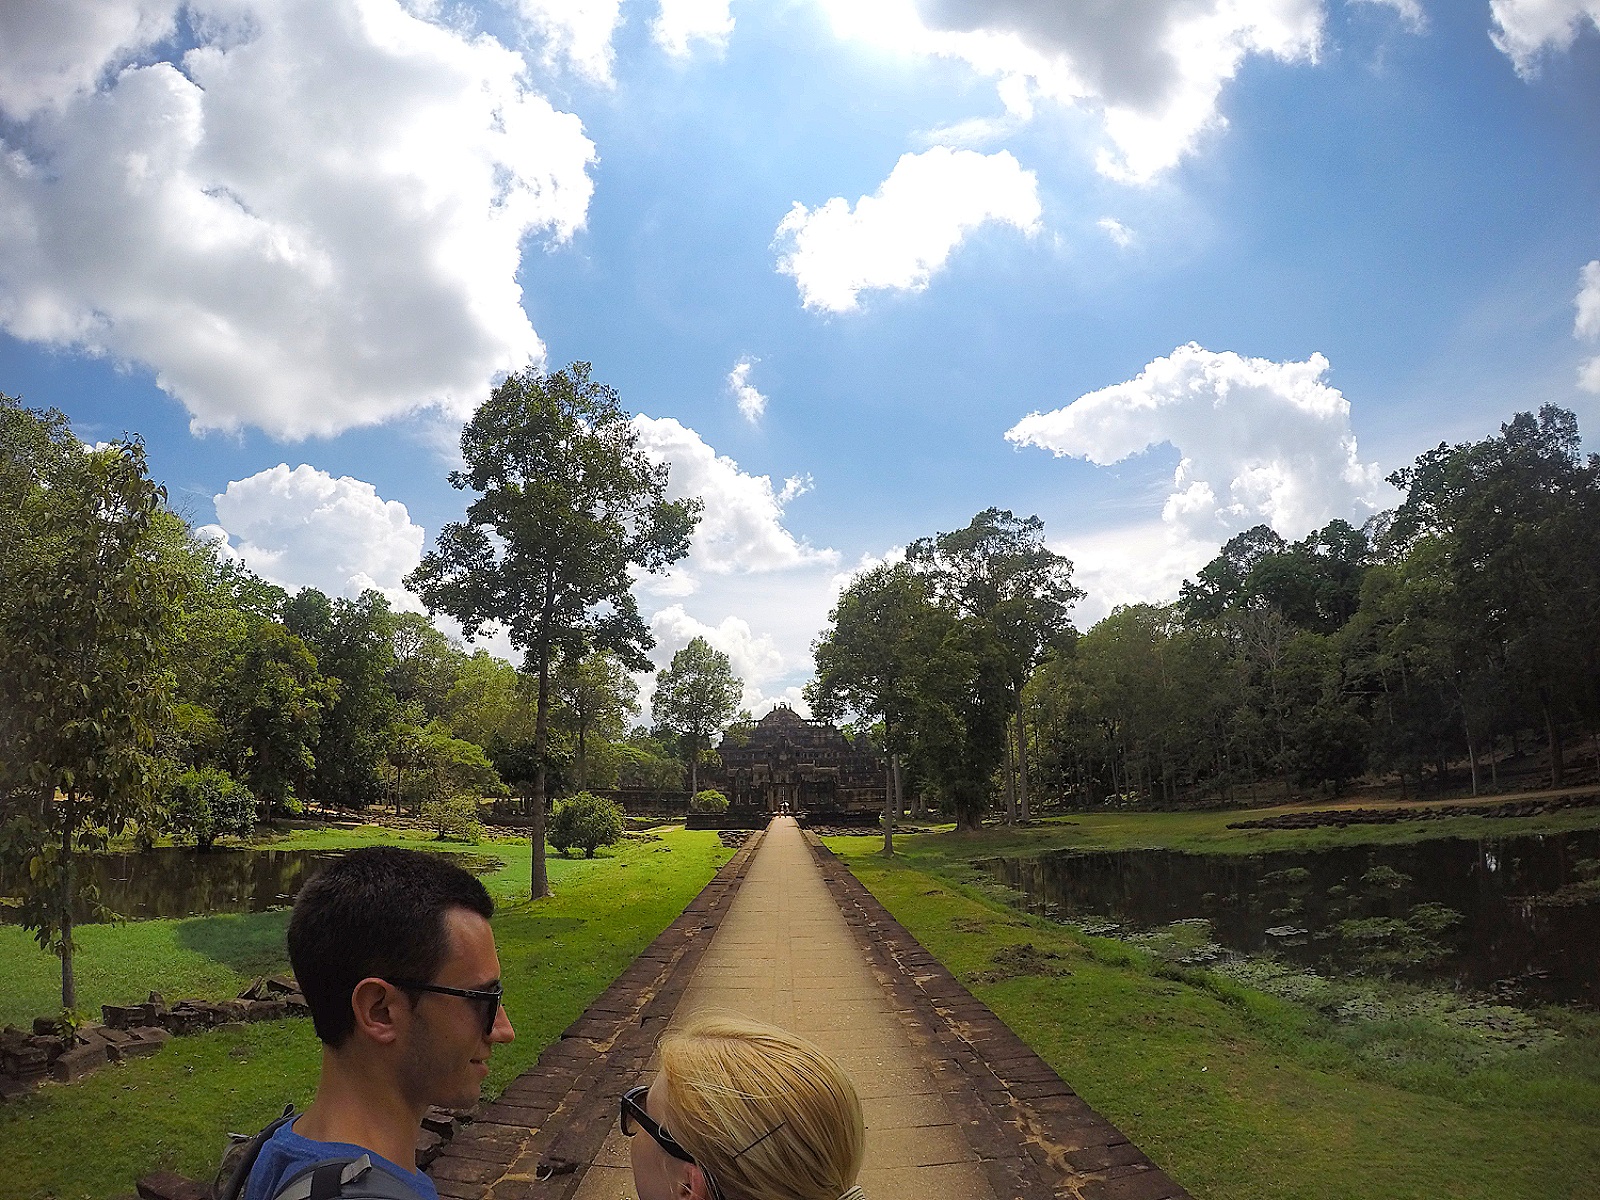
(1241,1095)
(90,1140)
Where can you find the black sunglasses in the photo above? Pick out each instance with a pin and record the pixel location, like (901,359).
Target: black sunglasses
(633,1113)
(489,998)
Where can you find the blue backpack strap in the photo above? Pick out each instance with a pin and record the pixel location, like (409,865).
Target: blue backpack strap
(241,1173)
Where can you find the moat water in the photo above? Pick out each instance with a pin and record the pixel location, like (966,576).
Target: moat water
(179,882)
(1517,918)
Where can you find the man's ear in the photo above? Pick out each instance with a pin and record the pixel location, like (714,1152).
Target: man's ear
(380,1010)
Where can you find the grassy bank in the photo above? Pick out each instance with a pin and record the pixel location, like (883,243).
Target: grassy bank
(90,1140)
(1208,832)
(1242,1095)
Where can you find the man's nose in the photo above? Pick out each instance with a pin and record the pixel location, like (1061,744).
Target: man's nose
(502,1031)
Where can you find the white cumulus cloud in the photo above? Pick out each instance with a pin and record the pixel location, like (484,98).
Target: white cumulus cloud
(306,528)
(1410,12)
(741,529)
(754,657)
(56,50)
(752,404)
(1259,441)
(681,22)
(899,236)
(1153,70)
(308,221)
(574,33)
(1114,229)
(1586,325)
(1525,29)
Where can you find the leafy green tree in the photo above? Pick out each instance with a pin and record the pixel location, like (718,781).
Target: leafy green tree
(696,696)
(961,696)
(1514,516)
(868,657)
(205,804)
(568,507)
(86,622)
(426,665)
(352,643)
(998,570)
(596,696)
(271,700)
(709,801)
(587,822)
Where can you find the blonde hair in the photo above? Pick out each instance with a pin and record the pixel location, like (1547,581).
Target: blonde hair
(767,1114)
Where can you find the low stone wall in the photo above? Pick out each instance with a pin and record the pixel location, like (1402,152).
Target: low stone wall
(132,1031)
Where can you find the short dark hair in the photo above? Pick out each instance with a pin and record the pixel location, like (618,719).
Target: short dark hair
(378,911)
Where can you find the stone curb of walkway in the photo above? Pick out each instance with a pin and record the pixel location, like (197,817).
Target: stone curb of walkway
(1035,1137)
(545,1130)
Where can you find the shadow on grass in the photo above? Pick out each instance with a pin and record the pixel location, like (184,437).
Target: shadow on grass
(249,943)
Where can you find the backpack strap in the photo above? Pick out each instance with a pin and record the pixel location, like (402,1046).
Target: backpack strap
(241,1173)
(353,1178)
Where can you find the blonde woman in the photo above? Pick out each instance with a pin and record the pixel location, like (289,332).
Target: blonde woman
(744,1111)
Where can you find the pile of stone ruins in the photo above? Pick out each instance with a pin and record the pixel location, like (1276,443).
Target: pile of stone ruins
(132,1031)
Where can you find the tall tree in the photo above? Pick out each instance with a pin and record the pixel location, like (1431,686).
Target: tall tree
(696,696)
(998,570)
(568,507)
(86,617)
(867,659)
(352,640)
(597,696)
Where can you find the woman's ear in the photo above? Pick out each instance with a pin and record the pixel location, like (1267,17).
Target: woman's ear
(379,1007)
(697,1185)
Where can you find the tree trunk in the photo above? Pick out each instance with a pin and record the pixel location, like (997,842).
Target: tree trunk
(900,795)
(1557,768)
(1023,810)
(1011,783)
(694,769)
(69,980)
(583,758)
(888,808)
(1472,758)
(540,877)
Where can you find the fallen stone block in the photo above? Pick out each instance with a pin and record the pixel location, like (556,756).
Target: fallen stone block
(169,1185)
(45,1027)
(158,1004)
(146,1039)
(52,1046)
(266,1010)
(183,1021)
(428,1146)
(126,1016)
(12,1038)
(72,1065)
(26,1062)
(441,1121)
(282,984)
(296,1005)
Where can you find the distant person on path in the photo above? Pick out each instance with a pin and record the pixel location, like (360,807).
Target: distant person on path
(393,952)
(744,1111)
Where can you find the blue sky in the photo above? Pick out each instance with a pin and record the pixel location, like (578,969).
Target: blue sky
(1155,271)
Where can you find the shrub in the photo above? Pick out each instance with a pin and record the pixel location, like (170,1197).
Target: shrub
(587,821)
(206,804)
(709,801)
(455,819)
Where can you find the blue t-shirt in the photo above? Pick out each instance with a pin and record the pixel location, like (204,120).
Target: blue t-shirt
(286,1153)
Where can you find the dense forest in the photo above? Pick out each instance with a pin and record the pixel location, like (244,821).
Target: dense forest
(1422,648)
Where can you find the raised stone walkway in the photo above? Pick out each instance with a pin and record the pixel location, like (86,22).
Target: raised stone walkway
(957,1107)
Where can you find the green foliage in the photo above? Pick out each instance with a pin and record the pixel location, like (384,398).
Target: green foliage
(456,819)
(710,801)
(696,696)
(271,699)
(207,803)
(87,604)
(568,508)
(587,822)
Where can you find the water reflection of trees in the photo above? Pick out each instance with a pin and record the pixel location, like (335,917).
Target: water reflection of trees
(183,882)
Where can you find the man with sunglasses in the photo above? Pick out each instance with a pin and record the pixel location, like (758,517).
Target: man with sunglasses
(395,956)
